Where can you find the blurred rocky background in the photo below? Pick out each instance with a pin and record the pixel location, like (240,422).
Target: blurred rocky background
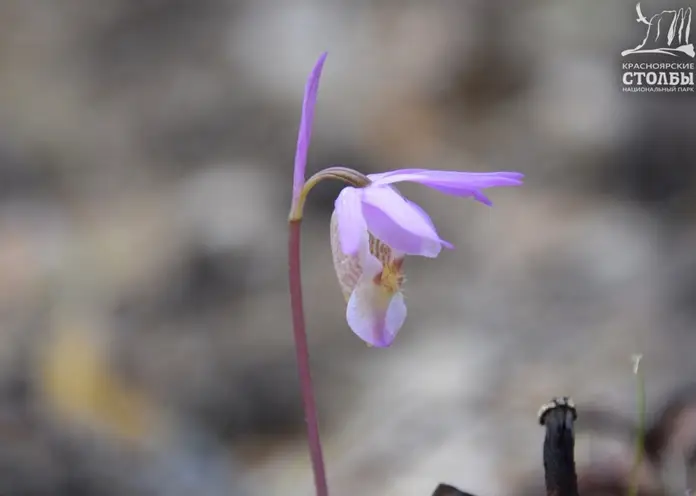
(146,152)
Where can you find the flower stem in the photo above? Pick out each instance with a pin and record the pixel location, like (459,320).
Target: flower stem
(302,351)
(640,440)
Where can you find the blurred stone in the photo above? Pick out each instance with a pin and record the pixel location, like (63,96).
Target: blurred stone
(146,153)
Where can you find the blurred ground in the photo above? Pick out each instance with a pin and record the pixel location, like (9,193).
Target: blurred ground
(145,157)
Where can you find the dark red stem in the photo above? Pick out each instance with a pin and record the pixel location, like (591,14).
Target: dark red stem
(302,351)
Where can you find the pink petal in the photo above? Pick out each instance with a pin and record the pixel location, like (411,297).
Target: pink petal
(373,314)
(349,217)
(305,132)
(374,318)
(395,318)
(452,182)
(427,218)
(395,221)
(453,178)
(348,268)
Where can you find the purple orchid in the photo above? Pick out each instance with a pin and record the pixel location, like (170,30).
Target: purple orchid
(373,228)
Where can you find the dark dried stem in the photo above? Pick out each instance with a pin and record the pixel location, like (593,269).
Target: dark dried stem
(559,449)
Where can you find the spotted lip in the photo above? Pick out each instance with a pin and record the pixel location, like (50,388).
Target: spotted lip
(349,269)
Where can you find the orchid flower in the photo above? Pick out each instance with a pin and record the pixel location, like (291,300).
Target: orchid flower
(372,229)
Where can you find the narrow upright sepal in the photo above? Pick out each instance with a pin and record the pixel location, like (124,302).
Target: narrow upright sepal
(304,134)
